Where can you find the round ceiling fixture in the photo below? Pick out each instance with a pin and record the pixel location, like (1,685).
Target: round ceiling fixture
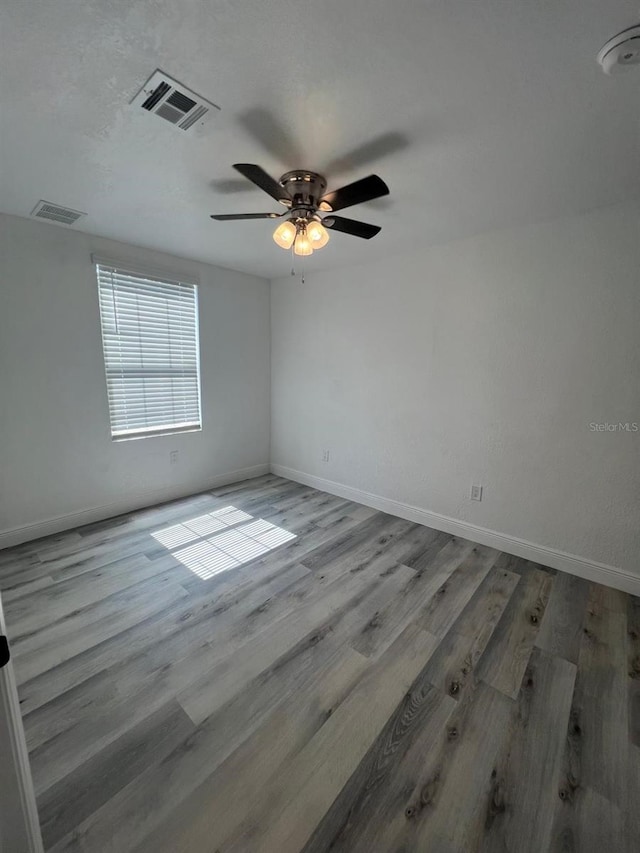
(621,51)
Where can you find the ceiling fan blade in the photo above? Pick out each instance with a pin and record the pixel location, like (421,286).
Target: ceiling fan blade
(351,226)
(360,191)
(224,217)
(261,179)
(272,134)
(230,186)
(374,149)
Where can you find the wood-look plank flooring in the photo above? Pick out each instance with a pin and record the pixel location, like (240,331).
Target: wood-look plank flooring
(369,685)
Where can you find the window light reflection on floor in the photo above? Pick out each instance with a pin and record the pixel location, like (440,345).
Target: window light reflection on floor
(221,540)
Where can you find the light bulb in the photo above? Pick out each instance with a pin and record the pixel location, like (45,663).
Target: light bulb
(285,234)
(318,235)
(303,246)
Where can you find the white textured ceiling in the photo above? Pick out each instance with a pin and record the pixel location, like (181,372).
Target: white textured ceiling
(479,114)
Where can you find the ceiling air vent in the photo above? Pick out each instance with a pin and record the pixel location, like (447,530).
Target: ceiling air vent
(56,213)
(173,102)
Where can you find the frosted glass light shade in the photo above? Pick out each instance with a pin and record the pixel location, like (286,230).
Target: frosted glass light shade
(285,234)
(318,235)
(303,246)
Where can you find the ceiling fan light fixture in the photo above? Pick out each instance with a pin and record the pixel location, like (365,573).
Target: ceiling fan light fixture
(303,246)
(285,234)
(318,235)
(303,193)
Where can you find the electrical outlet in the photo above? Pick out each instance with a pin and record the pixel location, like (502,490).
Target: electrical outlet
(476,493)
(325,455)
(173,457)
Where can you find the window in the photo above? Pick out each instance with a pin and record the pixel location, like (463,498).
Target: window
(150,344)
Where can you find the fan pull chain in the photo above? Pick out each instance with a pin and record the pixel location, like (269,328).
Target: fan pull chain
(293,266)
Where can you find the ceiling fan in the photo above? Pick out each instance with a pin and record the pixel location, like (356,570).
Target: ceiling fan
(304,195)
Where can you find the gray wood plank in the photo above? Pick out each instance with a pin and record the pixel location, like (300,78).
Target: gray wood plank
(71,728)
(561,626)
(315,618)
(173,820)
(55,602)
(525,784)
(449,600)
(413,598)
(507,655)
(454,663)
(292,698)
(353,820)
(86,627)
(89,787)
(360,543)
(633,668)
(19,589)
(630,810)
(295,799)
(444,786)
(190,618)
(594,784)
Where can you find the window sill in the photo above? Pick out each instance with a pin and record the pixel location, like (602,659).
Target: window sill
(138,435)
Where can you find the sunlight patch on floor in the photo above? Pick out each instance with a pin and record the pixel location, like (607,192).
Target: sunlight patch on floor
(237,538)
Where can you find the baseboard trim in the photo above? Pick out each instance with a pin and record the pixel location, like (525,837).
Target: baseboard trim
(580,566)
(137,500)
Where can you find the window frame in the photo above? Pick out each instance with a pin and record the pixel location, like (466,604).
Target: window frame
(164,277)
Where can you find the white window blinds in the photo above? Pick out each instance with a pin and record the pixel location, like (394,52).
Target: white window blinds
(150,343)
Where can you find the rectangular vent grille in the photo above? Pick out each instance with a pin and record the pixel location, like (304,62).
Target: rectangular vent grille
(56,213)
(173,102)
(165,111)
(177,99)
(193,117)
(156,96)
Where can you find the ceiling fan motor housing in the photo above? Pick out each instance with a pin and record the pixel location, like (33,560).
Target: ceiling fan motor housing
(305,189)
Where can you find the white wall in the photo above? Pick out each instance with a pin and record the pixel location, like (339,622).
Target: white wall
(482,361)
(56,453)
